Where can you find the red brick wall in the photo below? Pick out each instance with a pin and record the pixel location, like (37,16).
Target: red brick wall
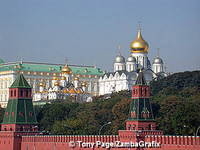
(62,142)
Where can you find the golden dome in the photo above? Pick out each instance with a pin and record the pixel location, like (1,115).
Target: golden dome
(66,69)
(139,45)
(55,78)
(63,78)
(41,84)
(76,78)
(84,84)
(56,84)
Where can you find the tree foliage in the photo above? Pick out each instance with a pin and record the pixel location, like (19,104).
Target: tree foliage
(175,102)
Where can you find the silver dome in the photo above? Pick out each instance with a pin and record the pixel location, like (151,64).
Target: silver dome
(119,59)
(131,59)
(157,60)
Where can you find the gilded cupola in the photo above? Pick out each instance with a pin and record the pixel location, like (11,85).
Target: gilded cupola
(66,69)
(139,45)
(41,84)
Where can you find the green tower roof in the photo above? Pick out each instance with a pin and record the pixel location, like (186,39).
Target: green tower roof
(20,110)
(20,82)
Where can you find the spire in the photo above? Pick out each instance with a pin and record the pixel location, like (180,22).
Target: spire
(139,31)
(139,34)
(140,79)
(20,82)
(158,52)
(119,50)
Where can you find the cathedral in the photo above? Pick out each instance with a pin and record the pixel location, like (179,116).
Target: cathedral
(64,88)
(126,70)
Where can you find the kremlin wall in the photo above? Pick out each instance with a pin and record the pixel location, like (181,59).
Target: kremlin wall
(19,129)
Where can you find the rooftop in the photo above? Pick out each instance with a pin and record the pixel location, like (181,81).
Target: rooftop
(48,67)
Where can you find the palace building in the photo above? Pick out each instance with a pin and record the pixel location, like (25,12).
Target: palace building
(48,81)
(125,71)
(19,129)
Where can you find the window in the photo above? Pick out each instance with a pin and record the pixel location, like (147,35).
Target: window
(21,114)
(11,93)
(26,93)
(15,93)
(150,127)
(30,114)
(21,93)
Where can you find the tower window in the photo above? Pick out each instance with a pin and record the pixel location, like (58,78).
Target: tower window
(11,93)
(150,127)
(26,93)
(30,113)
(15,93)
(21,114)
(21,93)
(21,128)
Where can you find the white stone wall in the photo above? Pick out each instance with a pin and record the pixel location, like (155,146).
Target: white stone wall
(141,59)
(119,67)
(157,68)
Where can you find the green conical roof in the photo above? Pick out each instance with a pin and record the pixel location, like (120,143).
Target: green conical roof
(20,82)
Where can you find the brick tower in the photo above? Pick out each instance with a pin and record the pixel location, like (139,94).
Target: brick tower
(19,118)
(140,121)
(141,115)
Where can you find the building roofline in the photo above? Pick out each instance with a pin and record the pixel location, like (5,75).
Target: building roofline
(40,63)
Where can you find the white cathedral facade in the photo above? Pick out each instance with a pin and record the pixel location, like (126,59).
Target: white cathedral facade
(126,70)
(63,88)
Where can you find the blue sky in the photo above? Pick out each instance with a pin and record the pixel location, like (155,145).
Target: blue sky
(89,31)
